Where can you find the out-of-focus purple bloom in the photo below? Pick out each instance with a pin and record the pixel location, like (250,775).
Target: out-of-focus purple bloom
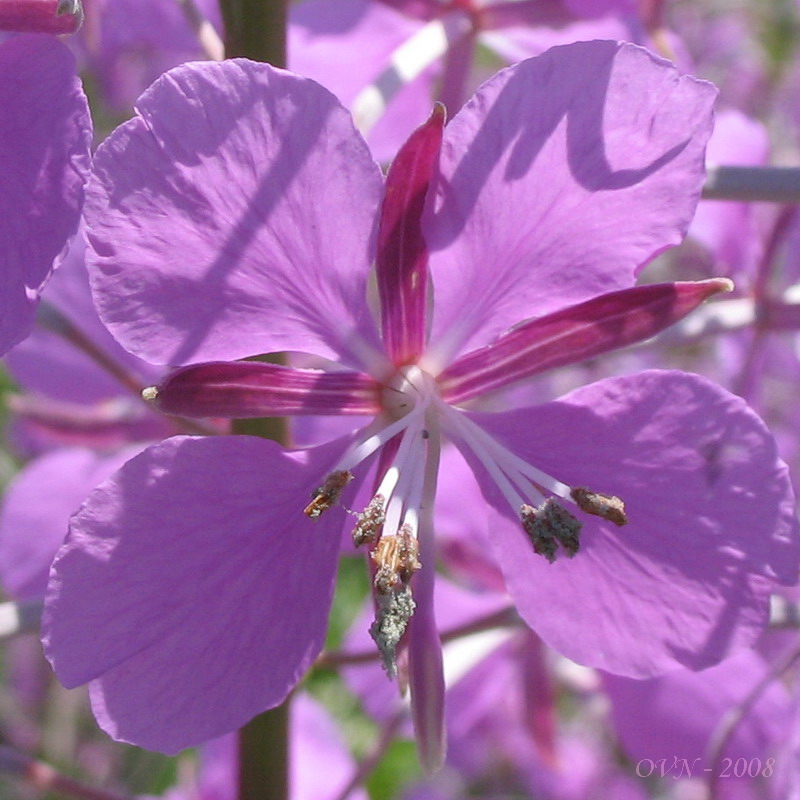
(40,16)
(412,52)
(320,765)
(127,44)
(685,709)
(748,340)
(36,509)
(79,387)
(241,213)
(46,132)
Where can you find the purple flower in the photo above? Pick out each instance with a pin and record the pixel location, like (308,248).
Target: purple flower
(79,387)
(46,131)
(240,213)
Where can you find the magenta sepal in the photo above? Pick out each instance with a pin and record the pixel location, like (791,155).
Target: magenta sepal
(243,389)
(40,16)
(574,334)
(402,259)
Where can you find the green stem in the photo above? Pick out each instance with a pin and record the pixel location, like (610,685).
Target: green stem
(264,756)
(255,29)
(264,741)
(753,184)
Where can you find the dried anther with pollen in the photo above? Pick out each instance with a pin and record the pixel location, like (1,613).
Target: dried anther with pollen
(549,525)
(395,609)
(606,506)
(328,494)
(370,521)
(397,560)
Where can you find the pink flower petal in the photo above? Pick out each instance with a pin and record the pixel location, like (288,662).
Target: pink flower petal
(562,176)
(234,216)
(46,133)
(711,523)
(193,588)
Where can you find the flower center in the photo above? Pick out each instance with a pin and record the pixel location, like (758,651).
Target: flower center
(390,523)
(411,389)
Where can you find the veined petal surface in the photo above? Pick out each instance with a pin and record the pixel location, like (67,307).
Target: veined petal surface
(711,523)
(193,588)
(235,215)
(46,133)
(558,179)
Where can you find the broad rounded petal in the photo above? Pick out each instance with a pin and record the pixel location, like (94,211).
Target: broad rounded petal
(36,511)
(561,177)
(46,133)
(233,216)
(711,523)
(193,588)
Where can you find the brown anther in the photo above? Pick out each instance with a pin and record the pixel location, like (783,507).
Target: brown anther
(328,494)
(606,506)
(549,525)
(370,521)
(397,560)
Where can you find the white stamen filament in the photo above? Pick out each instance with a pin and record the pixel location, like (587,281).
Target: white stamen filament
(358,452)
(511,463)
(464,433)
(414,498)
(410,469)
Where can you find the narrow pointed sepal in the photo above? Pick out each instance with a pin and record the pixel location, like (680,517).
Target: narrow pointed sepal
(574,334)
(426,676)
(402,261)
(249,389)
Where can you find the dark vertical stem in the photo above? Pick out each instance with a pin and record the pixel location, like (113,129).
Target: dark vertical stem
(264,756)
(264,741)
(255,29)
